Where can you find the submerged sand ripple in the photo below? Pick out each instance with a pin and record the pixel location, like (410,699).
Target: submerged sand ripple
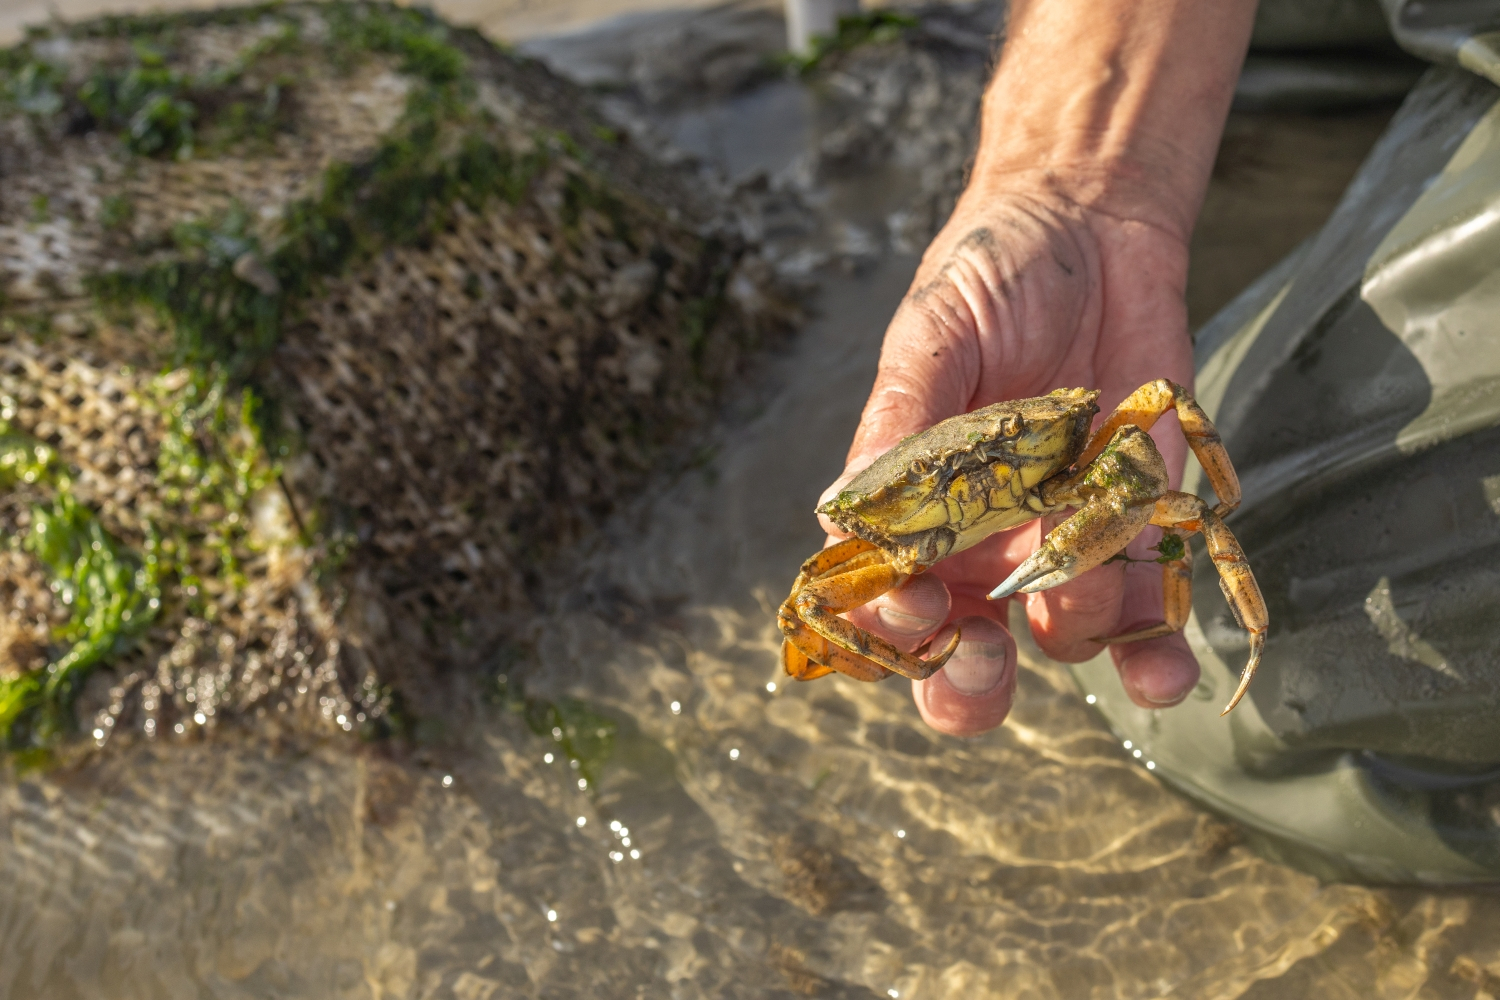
(843,851)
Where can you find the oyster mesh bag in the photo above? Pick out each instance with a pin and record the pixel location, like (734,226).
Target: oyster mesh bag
(324,329)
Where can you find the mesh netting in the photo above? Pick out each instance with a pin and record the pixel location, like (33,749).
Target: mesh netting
(370,493)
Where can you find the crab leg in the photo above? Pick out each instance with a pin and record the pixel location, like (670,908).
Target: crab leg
(832,558)
(1145,406)
(820,602)
(1186,512)
(1177,600)
(806,656)
(798,666)
(851,553)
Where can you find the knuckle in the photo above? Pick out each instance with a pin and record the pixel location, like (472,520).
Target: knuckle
(1093,597)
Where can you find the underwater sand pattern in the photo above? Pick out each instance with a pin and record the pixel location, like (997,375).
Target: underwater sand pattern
(843,851)
(806,841)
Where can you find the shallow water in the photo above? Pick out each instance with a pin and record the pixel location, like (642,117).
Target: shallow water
(814,840)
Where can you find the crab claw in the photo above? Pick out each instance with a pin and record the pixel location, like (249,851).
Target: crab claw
(1046,567)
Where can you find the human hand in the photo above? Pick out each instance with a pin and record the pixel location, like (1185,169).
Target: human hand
(1063,265)
(1026,290)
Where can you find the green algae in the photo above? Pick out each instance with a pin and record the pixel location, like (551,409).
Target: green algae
(111,593)
(585,736)
(155,109)
(1171,548)
(35,88)
(402,195)
(225,287)
(211,465)
(146,104)
(875,27)
(213,459)
(439,153)
(415,35)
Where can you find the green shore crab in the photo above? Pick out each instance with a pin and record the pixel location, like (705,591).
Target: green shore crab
(950,487)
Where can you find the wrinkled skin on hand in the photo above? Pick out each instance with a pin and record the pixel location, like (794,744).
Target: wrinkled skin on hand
(1022,292)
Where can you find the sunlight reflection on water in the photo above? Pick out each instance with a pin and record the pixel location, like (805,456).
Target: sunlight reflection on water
(745,838)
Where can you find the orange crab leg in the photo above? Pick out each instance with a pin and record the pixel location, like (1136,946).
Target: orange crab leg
(835,557)
(1145,406)
(806,656)
(1186,512)
(821,602)
(1124,486)
(838,579)
(797,666)
(851,553)
(1177,601)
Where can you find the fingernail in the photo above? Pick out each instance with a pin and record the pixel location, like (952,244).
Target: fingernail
(905,624)
(975,667)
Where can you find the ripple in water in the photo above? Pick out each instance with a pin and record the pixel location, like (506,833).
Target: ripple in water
(743,838)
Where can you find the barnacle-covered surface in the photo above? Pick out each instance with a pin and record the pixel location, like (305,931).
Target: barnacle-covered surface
(324,327)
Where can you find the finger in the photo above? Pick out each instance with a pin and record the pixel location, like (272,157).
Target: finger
(907,615)
(974,690)
(1157,672)
(915,388)
(926,374)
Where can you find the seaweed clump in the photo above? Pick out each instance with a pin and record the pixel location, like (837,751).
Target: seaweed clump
(338,326)
(110,596)
(873,27)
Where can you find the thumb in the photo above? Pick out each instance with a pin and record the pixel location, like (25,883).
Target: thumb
(926,375)
(896,409)
(929,370)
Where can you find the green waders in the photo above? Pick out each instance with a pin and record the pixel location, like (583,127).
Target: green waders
(1357,387)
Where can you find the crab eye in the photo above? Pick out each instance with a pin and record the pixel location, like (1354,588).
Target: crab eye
(919,468)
